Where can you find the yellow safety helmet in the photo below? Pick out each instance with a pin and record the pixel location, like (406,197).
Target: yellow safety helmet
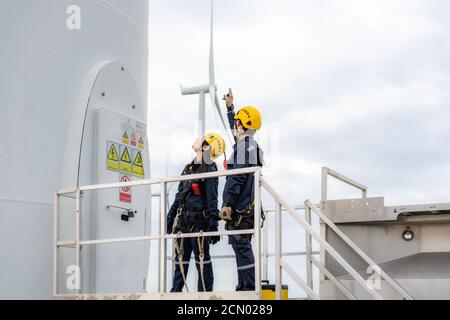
(216,142)
(250,117)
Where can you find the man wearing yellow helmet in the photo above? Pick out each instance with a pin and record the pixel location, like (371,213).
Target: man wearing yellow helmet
(238,195)
(195,209)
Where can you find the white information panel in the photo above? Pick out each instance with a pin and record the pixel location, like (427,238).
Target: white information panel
(122,155)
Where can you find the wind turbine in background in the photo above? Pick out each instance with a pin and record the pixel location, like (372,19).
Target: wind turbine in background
(209,88)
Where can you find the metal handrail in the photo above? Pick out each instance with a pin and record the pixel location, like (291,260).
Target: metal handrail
(329,172)
(321,241)
(324,197)
(232,256)
(75,193)
(361,253)
(165,180)
(280,206)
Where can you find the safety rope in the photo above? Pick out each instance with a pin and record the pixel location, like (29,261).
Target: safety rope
(180,251)
(201,247)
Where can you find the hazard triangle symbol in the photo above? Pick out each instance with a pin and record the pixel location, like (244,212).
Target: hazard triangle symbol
(125,156)
(138,161)
(112,154)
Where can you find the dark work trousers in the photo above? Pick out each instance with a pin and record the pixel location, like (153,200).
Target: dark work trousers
(245,261)
(190,244)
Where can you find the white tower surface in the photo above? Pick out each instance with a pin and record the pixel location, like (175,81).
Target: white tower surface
(73,81)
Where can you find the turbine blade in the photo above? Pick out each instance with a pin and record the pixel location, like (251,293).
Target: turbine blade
(224,123)
(211,50)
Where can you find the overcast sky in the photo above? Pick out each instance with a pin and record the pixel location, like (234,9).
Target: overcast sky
(359,86)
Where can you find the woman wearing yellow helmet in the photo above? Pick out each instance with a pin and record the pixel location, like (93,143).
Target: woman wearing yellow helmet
(195,209)
(238,195)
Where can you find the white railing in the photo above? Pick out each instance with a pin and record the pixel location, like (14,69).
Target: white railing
(280,263)
(162,237)
(326,222)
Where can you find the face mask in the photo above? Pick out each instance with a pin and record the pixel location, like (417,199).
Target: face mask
(238,131)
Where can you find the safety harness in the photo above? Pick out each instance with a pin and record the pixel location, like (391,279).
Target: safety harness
(201,256)
(250,210)
(182,218)
(179,248)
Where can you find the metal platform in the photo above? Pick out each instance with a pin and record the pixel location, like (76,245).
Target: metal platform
(241,295)
(367,210)
(425,265)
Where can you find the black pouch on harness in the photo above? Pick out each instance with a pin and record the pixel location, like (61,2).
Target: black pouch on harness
(249,212)
(243,225)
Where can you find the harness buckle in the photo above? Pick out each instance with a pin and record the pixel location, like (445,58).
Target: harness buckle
(238,221)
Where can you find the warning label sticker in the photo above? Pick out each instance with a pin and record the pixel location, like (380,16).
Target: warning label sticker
(125,192)
(125,160)
(141,142)
(124,154)
(138,165)
(133,139)
(112,157)
(125,137)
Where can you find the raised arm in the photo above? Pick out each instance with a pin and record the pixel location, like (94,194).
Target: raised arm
(228,97)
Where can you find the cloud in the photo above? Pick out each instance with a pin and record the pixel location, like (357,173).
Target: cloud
(359,86)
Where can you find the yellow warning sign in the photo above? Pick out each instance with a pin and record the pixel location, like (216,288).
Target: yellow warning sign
(125,161)
(125,138)
(112,154)
(141,142)
(112,158)
(138,160)
(125,156)
(138,166)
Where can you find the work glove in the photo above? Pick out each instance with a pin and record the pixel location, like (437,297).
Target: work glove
(225,213)
(228,97)
(213,239)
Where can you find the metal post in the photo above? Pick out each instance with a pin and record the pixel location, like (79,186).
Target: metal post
(162,240)
(55,239)
(278,251)
(309,273)
(323,227)
(257,229)
(266,249)
(77,232)
(201,113)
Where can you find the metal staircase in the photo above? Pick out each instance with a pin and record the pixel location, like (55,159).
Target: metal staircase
(260,257)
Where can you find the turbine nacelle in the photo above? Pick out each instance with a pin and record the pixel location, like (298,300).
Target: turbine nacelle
(198,89)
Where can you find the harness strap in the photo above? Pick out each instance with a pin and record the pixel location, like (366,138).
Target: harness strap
(180,251)
(177,218)
(201,248)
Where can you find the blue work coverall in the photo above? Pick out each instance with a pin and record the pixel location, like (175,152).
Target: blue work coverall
(198,212)
(238,194)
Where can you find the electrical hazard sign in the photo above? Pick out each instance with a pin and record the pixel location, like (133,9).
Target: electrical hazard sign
(125,192)
(125,160)
(112,156)
(138,165)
